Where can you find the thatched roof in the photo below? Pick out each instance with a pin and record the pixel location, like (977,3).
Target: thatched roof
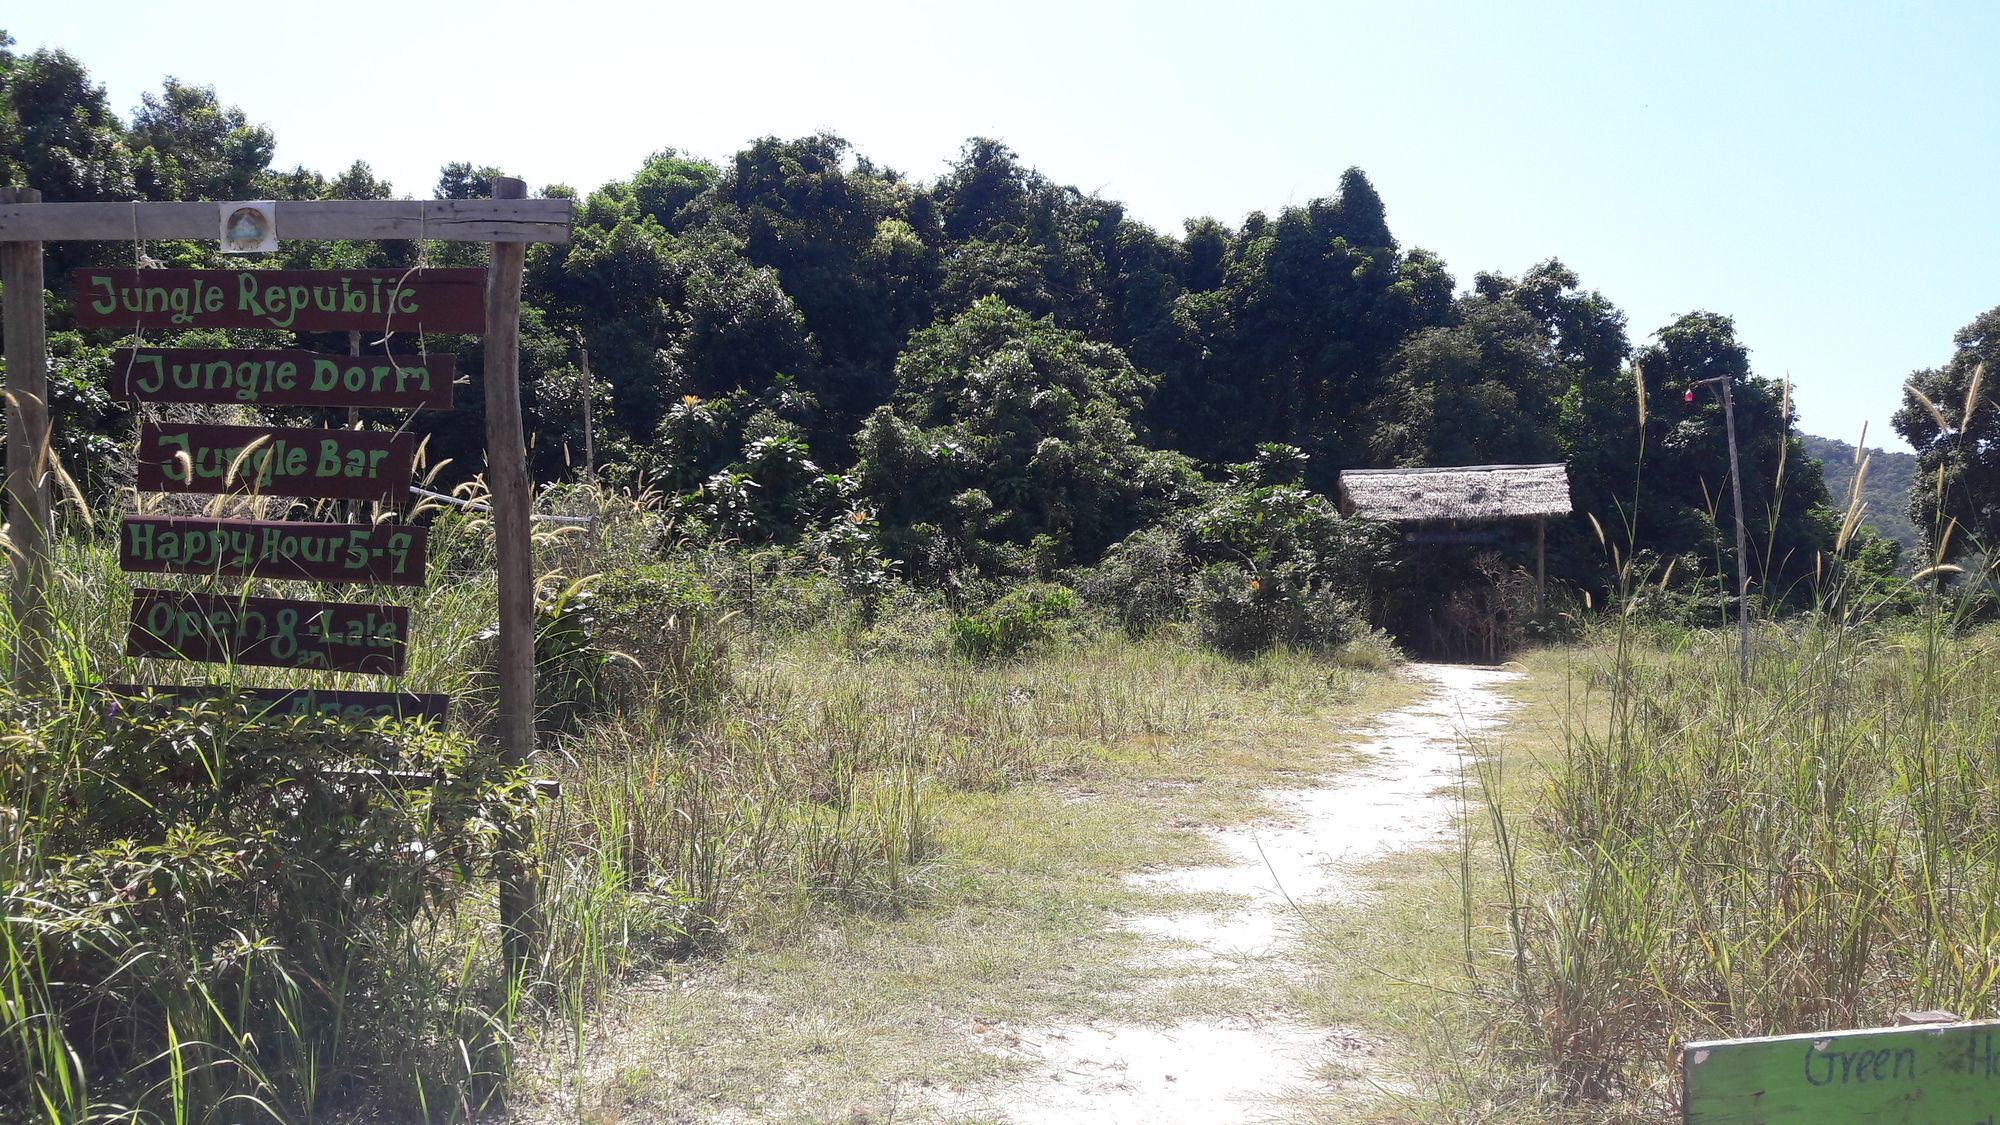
(1467,493)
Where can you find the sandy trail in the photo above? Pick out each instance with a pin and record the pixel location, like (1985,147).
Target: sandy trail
(1256,1065)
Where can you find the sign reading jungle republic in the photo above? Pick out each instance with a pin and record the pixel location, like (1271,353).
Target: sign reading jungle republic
(385,553)
(275,461)
(282,703)
(268,377)
(435,300)
(1946,1073)
(273,632)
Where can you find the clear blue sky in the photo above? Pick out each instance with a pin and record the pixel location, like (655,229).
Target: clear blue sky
(1824,173)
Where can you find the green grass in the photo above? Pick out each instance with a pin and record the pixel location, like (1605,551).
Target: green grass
(1057,774)
(824,841)
(1655,854)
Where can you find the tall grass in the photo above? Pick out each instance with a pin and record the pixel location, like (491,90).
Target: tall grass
(201,926)
(1814,848)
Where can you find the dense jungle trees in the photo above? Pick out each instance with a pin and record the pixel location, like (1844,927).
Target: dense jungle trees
(1001,376)
(1949,418)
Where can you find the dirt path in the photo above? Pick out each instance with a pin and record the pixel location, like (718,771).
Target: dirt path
(1233,927)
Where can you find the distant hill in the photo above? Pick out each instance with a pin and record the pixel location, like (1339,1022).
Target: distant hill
(1886,492)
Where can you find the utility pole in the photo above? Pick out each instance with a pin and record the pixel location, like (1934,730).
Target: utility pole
(1742,551)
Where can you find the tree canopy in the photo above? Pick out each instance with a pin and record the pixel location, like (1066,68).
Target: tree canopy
(1006,375)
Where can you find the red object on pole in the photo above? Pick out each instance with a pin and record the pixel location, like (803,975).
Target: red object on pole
(1689,396)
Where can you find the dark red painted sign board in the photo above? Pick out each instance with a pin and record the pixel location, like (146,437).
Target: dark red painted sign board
(275,377)
(378,301)
(272,632)
(333,464)
(282,703)
(389,554)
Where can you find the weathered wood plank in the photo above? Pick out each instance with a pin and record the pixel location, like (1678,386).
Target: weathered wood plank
(379,301)
(270,632)
(283,703)
(285,461)
(277,377)
(390,554)
(28,450)
(444,220)
(1935,1072)
(507,477)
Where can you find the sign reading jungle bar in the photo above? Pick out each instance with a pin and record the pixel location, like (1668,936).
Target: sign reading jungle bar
(335,464)
(273,632)
(1930,1072)
(386,553)
(267,377)
(280,703)
(437,300)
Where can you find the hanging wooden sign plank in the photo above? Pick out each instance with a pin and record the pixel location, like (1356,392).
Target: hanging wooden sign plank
(1936,1072)
(390,554)
(285,461)
(271,632)
(282,703)
(437,300)
(272,377)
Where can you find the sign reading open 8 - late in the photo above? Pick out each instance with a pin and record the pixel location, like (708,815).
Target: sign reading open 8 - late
(272,632)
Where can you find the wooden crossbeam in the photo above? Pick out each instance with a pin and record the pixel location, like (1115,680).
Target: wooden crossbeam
(445,220)
(548,787)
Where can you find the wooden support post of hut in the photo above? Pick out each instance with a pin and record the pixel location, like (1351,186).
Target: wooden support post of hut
(1461,504)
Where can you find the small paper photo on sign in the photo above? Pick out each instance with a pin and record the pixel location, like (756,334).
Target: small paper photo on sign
(249,227)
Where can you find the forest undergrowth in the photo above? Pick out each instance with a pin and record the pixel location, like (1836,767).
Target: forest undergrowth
(215,918)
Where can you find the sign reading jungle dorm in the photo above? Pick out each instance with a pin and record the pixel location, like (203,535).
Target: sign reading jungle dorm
(275,461)
(269,377)
(435,300)
(271,632)
(1946,1073)
(385,553)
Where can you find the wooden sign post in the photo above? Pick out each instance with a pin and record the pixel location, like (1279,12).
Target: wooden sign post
(507,478)
(1926,1073)
(28,440)
(350,463)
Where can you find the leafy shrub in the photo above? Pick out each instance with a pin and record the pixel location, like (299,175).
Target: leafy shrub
(570,664)
(1024,619)
(648,634)
(1143,582)
(664,617)
(782,591)
(1371,650)
(850,551)
(247,894)
(1240,613)
(1283,565)
(1264,561)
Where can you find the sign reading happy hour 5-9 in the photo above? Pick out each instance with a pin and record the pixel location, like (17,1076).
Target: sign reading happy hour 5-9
(1943,1073)
(434,300)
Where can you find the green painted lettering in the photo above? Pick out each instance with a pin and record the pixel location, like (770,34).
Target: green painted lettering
(108,303)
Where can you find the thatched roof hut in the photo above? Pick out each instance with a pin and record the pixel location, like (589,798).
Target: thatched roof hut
(1461,494)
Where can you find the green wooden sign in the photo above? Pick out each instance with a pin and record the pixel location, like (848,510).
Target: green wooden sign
(1943,1073)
